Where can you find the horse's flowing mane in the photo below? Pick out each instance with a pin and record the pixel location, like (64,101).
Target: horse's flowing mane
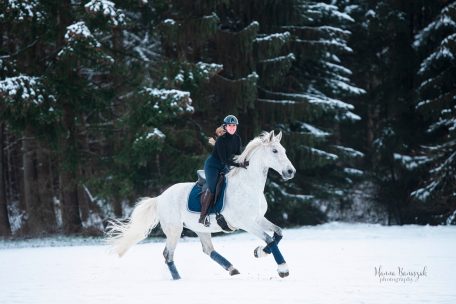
(261,139)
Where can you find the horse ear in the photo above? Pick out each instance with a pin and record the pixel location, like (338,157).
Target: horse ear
(279,136)
(271,136)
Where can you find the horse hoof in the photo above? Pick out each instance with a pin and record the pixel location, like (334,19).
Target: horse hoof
(259,252)
(284,274)
(283,270)
(234,271)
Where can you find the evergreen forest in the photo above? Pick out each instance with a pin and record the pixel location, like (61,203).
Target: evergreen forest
(103,102)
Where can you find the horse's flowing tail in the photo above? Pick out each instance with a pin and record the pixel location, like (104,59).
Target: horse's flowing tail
(144,218)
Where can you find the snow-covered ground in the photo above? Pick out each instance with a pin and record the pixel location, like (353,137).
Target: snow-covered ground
(331,263)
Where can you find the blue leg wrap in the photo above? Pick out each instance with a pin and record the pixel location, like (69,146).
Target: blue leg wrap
(220,260)
(274,249)
(275,241)
(277,254)
(277,238)
(172,268)
(267,249)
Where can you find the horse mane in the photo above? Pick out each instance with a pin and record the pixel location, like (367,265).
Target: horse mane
(251,147)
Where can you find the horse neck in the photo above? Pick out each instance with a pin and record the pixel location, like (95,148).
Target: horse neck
(255,176)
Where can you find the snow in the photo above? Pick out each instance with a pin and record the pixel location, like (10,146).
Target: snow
(23,10)
(78,30)
(146,47)
(323,8)
(443,22)
(337,43)
(333,30)
(24,88)
(350,152)
(411,162)
(313,130)
(331,263)
(208,70)
(156,133)
(299,197)
(169,22)
(277,101)
(318,99)
(179,77)
(321,153)
(289,57)
(107,9)
(176,99)
(345,87)
(452,217)
(370,14)
(284,37)
(336,67)
(441,53)
(353,171)
(423,194)
(78,33)
(350,116)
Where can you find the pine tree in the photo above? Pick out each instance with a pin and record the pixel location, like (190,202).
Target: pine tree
(77,94)
(307,104)
(384,64)
(436,44)
(24,101)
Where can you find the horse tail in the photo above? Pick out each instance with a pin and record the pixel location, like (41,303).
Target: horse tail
(144,218)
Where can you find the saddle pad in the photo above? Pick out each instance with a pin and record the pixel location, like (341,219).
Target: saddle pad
(194,203)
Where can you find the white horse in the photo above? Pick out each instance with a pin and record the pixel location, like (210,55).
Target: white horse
(245,207)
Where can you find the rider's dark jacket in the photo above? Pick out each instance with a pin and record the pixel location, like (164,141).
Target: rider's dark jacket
(226,147)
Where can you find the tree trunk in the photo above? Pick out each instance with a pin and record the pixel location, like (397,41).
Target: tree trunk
(68,163)
(71,218)
(69,198)
(5,228)
(37,187)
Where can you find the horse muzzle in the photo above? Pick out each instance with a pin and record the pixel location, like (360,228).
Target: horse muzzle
(288,173)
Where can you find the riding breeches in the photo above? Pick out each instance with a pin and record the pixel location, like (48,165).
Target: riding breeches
(212,169)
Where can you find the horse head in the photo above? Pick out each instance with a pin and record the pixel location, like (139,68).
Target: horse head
(274,155)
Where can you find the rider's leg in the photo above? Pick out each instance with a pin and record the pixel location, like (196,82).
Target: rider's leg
(211,170)
(206,199)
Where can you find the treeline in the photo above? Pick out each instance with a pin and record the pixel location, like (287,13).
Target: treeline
(104,102)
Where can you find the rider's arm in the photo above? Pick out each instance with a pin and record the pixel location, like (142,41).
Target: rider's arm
(222,154)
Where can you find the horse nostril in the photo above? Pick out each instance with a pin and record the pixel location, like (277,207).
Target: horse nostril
(290,171)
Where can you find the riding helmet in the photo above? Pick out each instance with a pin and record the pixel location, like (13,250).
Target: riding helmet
(230,120)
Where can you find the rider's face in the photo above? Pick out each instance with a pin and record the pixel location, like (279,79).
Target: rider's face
(231,128)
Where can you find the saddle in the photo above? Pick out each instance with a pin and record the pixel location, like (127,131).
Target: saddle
(201,179)
(217,204)
(202,183)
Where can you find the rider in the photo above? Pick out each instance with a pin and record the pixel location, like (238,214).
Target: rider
(227,145)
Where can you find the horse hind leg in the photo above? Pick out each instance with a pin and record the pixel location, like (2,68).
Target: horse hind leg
(173,234)
(208,248)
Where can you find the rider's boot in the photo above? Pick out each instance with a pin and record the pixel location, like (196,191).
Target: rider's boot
(206,199)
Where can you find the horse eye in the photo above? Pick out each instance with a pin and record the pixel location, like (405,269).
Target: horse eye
(274,150)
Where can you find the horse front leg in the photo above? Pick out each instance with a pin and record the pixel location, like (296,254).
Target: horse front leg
(271,247)
(267,225)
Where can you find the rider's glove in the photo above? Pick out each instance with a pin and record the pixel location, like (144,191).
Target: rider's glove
(244,164)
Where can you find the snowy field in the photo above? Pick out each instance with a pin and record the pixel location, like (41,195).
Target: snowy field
(331,263)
